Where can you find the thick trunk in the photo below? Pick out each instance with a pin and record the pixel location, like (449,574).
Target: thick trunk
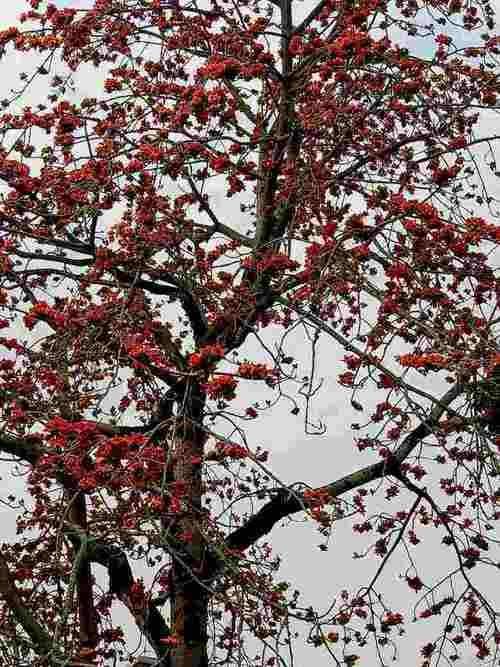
(188,547)
(89,631)
(189,599)
(190,625)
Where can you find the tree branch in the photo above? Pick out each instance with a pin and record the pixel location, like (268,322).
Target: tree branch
(422,494)
(350,347)
(217,226)
(313,14)
(22,448)
(147,617)
(89,632)
(33,629)
(287,501)
(178,290)
(49,257)
(29,451)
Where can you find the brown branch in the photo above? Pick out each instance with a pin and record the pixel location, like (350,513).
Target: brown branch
(353,168)
(217,225)
(445,151)
(33,629)
(22,448)
(313,14)
(147,617)
(422,494)
(175,289)
(49,257)
(393,548)
(29,451)
(287,501)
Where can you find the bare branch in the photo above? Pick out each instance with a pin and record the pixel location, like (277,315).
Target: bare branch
(313,14)
(422,494)
(49,257)
(217,225)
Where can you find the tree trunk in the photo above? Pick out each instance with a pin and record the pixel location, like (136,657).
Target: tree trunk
(190,625)
(189,594)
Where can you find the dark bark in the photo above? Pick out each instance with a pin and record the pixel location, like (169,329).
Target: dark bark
(488,401)
(89,632)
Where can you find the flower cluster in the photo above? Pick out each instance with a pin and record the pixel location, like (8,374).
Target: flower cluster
(206,357)
(251,371)
(231,450)
(429,361)
(221,387)
(43,312)
(391,619)
(316,497)
(414,583)
(218,68)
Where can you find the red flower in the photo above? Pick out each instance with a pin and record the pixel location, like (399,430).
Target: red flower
(207,356)
(219,163)
(252,371)
(414,583)
(431,361)
(223,386)
(386,381)
(171,641)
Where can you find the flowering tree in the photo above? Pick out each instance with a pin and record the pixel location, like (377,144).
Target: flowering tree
(347,139)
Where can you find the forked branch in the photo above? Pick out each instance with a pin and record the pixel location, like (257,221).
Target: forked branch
(289,501)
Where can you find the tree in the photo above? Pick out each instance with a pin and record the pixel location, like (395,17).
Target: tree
(139,314)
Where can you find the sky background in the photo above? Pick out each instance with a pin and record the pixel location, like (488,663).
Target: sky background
(295,457)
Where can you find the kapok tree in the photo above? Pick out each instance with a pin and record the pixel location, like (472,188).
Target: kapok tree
(348,144)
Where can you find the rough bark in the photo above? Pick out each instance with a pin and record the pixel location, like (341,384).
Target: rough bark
(189,600)
(146,616)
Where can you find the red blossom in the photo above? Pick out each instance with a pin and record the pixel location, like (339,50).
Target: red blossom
(414,583)
(221,387)
(241,184)
(431,360)
(207,357)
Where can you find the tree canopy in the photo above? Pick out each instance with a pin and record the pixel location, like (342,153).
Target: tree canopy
(206,209)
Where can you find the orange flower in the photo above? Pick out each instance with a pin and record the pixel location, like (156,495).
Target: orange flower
(430,360)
